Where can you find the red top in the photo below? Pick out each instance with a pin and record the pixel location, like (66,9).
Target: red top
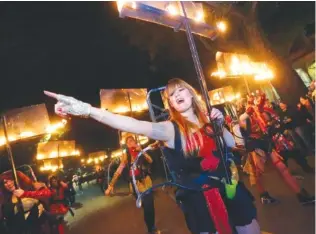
(210,162)
(133,152)
(58,193)
(43,193)
(281,143)
(214,201)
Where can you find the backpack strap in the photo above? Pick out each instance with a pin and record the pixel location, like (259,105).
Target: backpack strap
(189,163)
(129,159)
(177,137)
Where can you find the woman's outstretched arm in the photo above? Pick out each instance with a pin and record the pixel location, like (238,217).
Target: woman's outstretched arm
(158,131)
(65,106)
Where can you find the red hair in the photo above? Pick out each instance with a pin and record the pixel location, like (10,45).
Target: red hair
(24,181)
(187,128)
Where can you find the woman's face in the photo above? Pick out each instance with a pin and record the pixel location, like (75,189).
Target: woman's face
(282,106)
(181,99)
(54,183)
(9,185)
(131,142)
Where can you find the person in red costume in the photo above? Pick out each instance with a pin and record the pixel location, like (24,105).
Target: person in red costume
(143,180)
(31,219)
(57,201)
(211,211)
(260,127)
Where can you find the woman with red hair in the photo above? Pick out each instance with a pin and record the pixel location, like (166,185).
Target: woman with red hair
(196,158)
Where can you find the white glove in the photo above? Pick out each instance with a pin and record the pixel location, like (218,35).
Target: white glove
(69,106)
(18,192)
(216,114)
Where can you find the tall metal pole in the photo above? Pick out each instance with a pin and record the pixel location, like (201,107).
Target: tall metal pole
(274,93)
(14,173)
(246,84)
(131,110)
(9,150)
(58,158)
(201,79)
(196,60)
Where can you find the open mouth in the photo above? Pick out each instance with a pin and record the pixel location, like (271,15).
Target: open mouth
(180,101)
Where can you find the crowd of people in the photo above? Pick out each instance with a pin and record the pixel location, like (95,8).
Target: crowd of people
(204,161)
(268,131)
(33,207)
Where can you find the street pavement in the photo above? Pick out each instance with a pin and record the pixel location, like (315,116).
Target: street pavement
(97,214)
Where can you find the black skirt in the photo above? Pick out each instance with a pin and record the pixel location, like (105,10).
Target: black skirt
(263,144)
(241,209)
(194,208)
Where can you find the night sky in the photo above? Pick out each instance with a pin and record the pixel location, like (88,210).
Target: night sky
(75,48)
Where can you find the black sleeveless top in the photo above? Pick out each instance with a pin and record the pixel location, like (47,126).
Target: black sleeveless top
(187,170)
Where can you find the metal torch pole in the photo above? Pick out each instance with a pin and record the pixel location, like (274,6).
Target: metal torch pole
(9,150)
(14,173)
(131,110)
(201,79)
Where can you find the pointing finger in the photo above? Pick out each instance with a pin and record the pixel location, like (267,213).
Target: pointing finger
(51,94)
(59,97)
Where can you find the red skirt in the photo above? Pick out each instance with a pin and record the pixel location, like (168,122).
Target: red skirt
(58,209)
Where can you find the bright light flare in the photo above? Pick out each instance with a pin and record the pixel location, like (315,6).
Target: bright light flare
(52,168)
(221,26)
(134,5)
(135,108)
(76,153)
(143,140)
(199,16)
(230,98)
(239,67)
(121,109)
(172,10)
(121,4)
(39,156)
(268,75)
(53,154)
(220,74)
(26,134)
(54,127)
(96,160)
(116,154)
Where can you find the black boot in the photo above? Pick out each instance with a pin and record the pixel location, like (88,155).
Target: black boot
(309,170)
(265,198)
(155,231)
(305,199)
